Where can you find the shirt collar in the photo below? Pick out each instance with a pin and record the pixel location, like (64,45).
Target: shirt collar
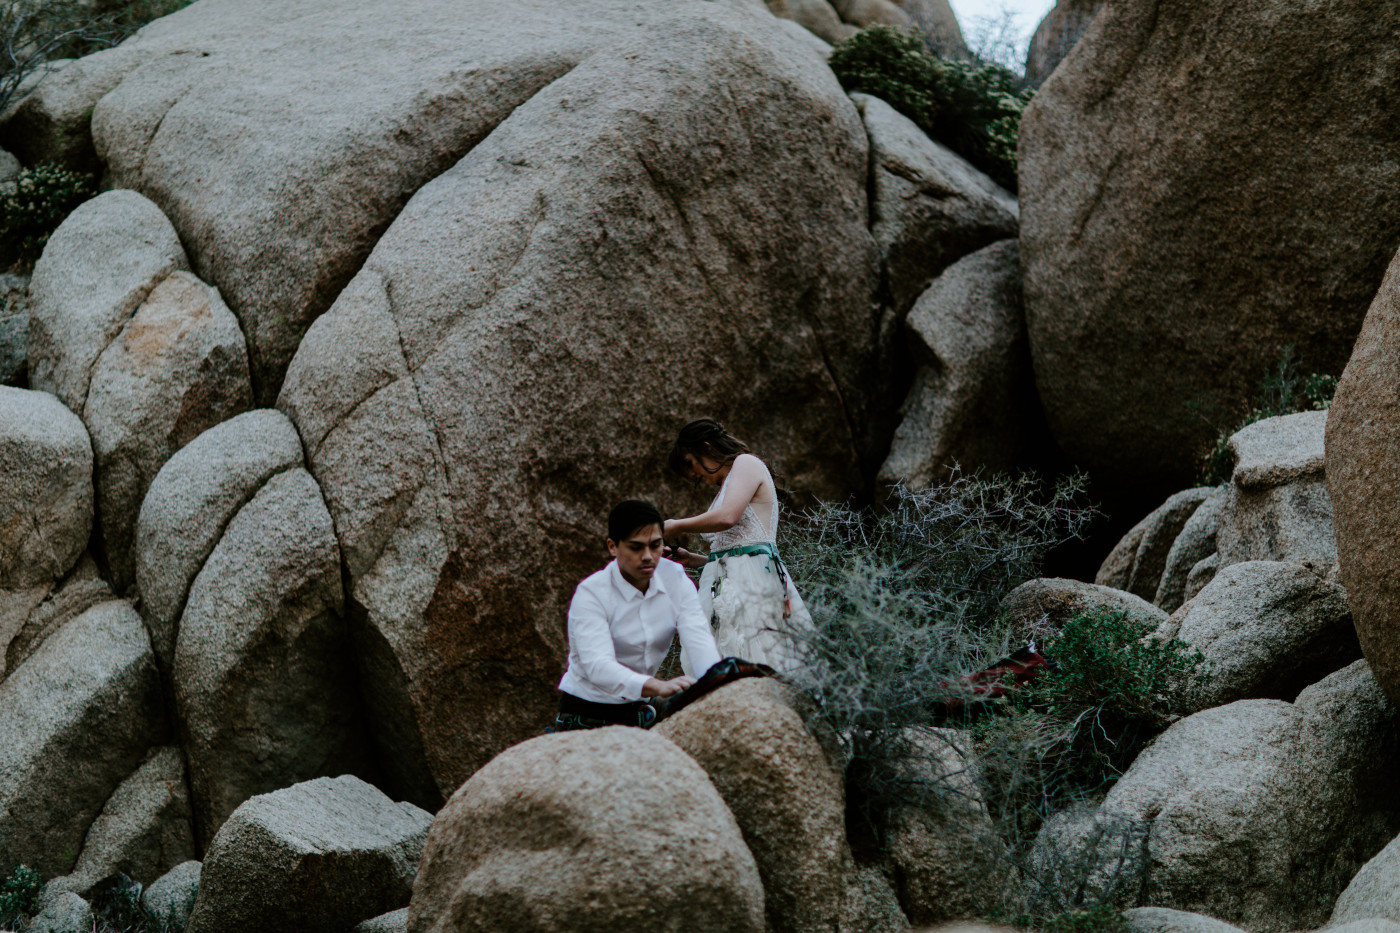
(627,590)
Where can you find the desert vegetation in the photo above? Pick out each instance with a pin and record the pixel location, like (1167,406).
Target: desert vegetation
(971,106)
(906,605)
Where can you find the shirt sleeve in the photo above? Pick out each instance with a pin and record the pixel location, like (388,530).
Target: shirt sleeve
(697,638)
(591,638)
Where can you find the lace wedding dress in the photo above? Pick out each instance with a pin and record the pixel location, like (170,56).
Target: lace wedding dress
(744,590)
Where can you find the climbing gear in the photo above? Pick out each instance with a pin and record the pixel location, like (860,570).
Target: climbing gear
(748,550)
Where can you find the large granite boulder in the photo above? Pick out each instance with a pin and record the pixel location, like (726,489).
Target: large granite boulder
(1202,187)
(317,857)
(430,397)
(190,503)
(76,719)
(1137,562)
(1363,478)
(263,677)
(1057,33)
(1260,812)
(102,262)
(179,366)
(1267,630)
(973,400)
(789,801)
(929,207)
(1277,505)
(585,816)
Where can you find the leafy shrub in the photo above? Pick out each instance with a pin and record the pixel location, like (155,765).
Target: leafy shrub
(973,108)
(19,894)
(42,198)
(1284,390)
(117,903)
(1104,918)
(905,602)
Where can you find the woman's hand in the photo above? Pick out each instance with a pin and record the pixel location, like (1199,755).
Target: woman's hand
(686,558)
(666,688)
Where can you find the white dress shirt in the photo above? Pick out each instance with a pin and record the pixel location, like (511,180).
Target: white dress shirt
(618,635)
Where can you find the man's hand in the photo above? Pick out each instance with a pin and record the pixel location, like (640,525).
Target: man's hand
(685,558)
(665,688)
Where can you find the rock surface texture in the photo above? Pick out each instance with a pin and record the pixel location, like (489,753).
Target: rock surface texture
(1301,784)
(169,900)
(1166,920)
(973,402)
(1363,478)
(1039,607)
(1057,33)
(75,720)
(1375,891)
(1160,280)
(1195,543)
(318,856)
(1277,505)
(263,677)
(1267,630)
(582,815)
(787,798)
(1137,562)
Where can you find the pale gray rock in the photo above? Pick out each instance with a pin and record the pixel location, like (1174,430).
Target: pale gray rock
(1267,630)
(98,267)
(939,24)
(51,122)
(1166,920)
(262,672)
(1277,506)
(316,857)
(1201,574)
(395,921)
(1194,544)
(1039,607)
(583,815)
(1305,783)
(1374,892)
(9,167)
(190,503)
(45,489)
(442,439)
(1057,33)
(929,206)
(169,900)
(76,719)
(179,366)
(973,400)
(1142,315)
(1150,542)
(78,592)
(63,912)
(787,798)
(144,829)
(1368,925)
(15,607)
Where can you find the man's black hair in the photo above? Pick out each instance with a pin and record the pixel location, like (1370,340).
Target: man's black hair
(628,516)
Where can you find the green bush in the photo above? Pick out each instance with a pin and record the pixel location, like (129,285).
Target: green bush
(1284,390)
(1104,918)
(19,895)
(42,198)
(973,108)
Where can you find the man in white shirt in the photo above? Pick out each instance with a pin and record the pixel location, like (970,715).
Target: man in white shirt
(621,622)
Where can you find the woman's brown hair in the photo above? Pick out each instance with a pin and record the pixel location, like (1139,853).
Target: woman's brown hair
(704,437)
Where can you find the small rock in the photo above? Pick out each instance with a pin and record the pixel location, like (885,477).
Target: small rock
(1194,544)
(1150,541)
(395,921)
(316,857)
(63,913)
(1375,891)
(1166,920)
(1039,607)
(170,898)
(1200,576)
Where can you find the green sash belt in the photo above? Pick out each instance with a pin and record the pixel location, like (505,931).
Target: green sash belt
(775,565)
(744,550)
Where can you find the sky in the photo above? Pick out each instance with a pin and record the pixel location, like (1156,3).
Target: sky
(981,18)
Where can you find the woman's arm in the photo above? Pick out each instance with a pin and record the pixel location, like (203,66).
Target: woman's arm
(745,476)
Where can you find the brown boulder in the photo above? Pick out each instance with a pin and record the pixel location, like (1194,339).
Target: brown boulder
(1202,186)
(1363,476)
(1057,33)
(1137,562)
(589,832)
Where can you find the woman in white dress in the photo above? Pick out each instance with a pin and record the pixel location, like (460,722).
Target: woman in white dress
(744,588)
